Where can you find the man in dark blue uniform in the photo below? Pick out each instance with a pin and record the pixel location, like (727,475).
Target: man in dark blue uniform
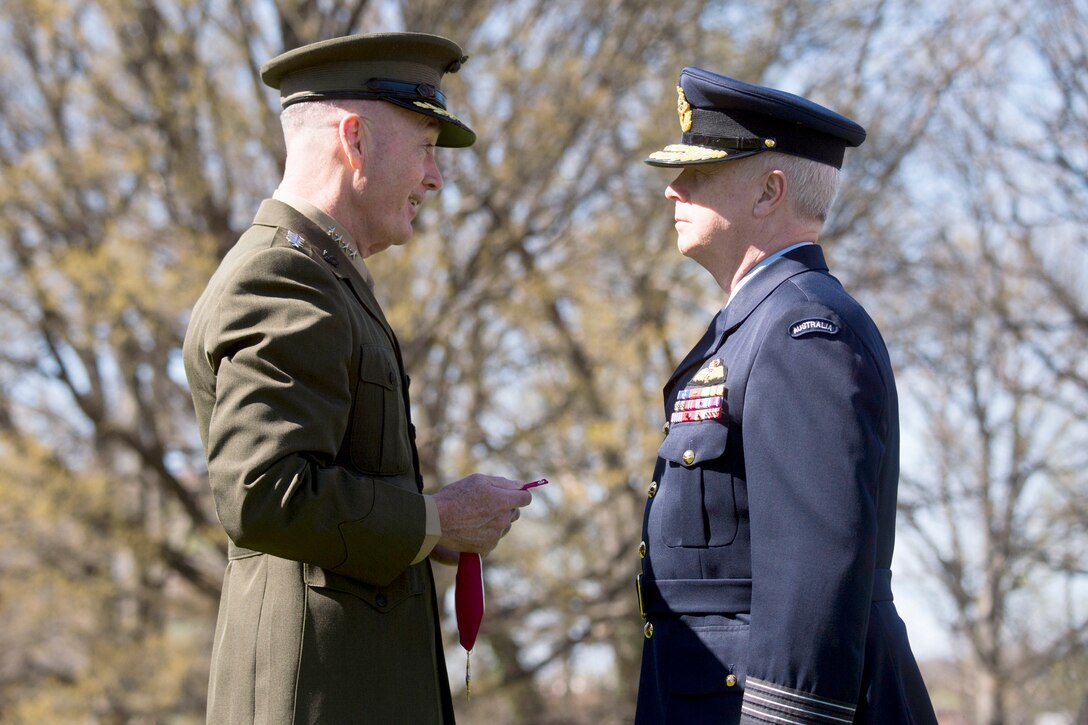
(770,522)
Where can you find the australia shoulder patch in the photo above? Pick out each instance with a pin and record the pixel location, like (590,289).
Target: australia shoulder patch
(813,325)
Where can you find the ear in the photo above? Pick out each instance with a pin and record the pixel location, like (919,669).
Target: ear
(772,193)
(352,133)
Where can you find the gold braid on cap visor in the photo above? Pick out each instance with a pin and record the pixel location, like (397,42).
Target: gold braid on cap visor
(683,152)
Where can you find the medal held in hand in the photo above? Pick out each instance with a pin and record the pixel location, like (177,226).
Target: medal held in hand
(469,605)
(468,598)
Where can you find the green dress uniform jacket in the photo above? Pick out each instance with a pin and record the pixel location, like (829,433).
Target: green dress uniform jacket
(302,402)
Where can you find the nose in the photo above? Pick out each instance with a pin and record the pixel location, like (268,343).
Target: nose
(432,177)
(675,190)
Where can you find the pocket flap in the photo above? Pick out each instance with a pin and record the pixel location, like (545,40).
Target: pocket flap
(378,365)
(693,443)
(697,657)
(382,598)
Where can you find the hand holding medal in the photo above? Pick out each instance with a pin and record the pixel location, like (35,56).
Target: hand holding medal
(469,598)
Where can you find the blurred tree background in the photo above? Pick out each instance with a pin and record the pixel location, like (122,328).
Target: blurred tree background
(541,306)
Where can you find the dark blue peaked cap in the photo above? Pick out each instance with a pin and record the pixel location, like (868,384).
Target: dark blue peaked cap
(723,119)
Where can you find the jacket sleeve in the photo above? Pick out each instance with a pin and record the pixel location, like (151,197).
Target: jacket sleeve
(282,347)
(815,426)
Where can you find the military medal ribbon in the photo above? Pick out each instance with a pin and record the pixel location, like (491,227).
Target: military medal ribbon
(469,606)
(468,599)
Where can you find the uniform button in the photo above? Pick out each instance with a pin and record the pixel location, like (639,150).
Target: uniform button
(381,601)
(665,428)
(642,549)
(652,490)
(730,680)
(648,630)
(689,456)
(392,377)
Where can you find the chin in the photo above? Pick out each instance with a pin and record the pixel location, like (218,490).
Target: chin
(687,247)
(398,239)
(695,252)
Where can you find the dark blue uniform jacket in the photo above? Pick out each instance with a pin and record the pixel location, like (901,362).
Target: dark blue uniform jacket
(770,522)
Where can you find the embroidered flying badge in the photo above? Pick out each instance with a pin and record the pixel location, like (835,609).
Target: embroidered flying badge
(712,372)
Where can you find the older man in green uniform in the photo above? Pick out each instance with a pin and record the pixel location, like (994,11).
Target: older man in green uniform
(328,611)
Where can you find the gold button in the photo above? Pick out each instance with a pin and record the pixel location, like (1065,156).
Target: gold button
(665,428)
(730,680)
(689,456)
(648,630)
(642,549)
(652,490)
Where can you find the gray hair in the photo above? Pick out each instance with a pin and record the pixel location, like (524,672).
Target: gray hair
(812,186)
(307,116)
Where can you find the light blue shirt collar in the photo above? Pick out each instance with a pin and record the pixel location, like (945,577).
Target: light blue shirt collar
(763,264)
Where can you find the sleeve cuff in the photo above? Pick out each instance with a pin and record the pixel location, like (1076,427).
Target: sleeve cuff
(765,702)
(434,530)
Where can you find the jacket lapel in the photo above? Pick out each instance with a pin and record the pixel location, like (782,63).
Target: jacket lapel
(731,316)
(277,214)
(803,259)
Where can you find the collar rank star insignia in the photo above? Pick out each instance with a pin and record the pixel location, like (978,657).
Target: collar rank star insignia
(713,372)
(344,246)
(683,109)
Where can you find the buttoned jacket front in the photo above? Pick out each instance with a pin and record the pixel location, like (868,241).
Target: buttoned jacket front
(302,403)
(769,528)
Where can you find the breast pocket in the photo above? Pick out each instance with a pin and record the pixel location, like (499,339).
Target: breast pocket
(379,431)
(696,494)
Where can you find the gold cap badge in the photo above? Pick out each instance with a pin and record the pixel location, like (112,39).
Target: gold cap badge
(683,109)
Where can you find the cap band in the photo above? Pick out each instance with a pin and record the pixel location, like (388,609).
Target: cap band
(732,143)
(379,89)
(413,91)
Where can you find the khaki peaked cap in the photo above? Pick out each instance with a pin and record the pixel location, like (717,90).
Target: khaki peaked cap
(405,69)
